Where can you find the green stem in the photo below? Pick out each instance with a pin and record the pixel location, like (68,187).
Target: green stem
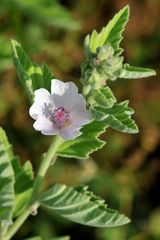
(20,220)
(45,163)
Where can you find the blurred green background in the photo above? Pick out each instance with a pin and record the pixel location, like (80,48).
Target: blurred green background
(126,172)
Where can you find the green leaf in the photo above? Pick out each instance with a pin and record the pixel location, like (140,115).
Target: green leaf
(81,206)
(136,72)
(102,97)
(7,196)
(112,34)
(23,177)
(85,144)
(23,185)
(31,74)
(118,117)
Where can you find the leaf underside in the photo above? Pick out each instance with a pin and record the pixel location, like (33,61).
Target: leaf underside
(130,72)
(81,206)
(118,117)
(102,97)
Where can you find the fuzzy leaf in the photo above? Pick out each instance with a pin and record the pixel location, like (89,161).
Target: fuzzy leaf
(112,34)
(136,72)
(102,97)
(7,196)
(81,206)
(23,177)
(85,144)
(31,74)
(118,117)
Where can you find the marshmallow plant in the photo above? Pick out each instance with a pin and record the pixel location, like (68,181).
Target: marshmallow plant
(74,121)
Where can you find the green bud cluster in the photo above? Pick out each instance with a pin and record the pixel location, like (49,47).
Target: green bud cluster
(102,66)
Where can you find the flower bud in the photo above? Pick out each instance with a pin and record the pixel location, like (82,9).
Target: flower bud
(105,52)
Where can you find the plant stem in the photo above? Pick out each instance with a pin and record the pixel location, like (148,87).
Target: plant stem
(45,163)
(20,220)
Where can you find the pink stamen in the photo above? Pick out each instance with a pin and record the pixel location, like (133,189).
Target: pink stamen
(60,115)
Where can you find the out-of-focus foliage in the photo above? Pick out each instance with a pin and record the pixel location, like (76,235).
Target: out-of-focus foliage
(30,21)
(57,238)
(49,12)
(126,171)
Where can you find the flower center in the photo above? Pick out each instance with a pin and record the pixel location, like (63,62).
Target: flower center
(60,115)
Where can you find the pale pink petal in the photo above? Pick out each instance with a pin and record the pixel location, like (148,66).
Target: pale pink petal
(79,114)
(35,110)
(64,94)
(69,132)
(58,87)
(45,126)
(49,132)
(42,96)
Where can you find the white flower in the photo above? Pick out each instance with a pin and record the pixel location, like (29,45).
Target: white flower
(63,112)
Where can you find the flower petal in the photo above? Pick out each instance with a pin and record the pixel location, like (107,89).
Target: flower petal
(45,126)
(58,87)
(35,110)
(79,114)
(69,132)
(49,132)
(42,96)
(64,94)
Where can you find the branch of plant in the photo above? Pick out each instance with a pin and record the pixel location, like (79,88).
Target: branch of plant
(48,159)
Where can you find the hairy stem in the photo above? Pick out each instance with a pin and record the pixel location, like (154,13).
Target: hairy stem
(45,163)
